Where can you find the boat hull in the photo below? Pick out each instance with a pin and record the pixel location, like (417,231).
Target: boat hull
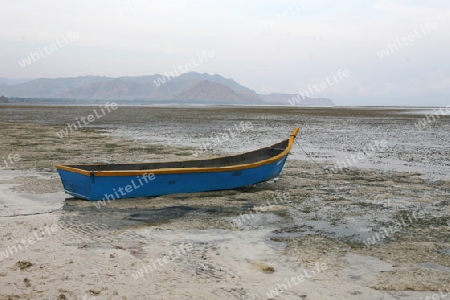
(94,188)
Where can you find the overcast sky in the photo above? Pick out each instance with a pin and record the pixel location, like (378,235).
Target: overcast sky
(268,46)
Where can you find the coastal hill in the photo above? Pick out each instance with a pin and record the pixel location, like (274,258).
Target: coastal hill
(191,88)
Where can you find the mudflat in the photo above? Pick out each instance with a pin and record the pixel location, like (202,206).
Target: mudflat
(361,210)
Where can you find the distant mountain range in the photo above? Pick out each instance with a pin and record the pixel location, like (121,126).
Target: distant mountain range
(191,88)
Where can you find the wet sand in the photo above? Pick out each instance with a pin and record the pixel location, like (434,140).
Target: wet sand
(244,242)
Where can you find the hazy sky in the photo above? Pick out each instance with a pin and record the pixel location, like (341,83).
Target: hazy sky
(268,46)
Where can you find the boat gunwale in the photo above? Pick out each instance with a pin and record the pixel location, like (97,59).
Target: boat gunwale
(237,167)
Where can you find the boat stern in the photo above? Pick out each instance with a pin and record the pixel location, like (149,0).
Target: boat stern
(75,184)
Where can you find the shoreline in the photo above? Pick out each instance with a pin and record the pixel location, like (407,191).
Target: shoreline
(124,103)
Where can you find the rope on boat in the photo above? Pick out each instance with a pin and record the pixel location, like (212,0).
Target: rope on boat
(315,162)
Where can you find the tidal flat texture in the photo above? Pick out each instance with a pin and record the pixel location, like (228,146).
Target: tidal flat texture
(361,210)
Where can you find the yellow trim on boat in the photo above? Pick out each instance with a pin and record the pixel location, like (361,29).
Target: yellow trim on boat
(188,170)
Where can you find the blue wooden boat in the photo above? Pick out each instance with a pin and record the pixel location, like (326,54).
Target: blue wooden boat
(117,181)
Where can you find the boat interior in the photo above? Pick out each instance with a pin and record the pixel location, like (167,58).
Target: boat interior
(225,161)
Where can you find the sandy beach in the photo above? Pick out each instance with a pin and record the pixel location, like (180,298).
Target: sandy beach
(334,225)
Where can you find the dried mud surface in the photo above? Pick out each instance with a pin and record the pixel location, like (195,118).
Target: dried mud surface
(245,241)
